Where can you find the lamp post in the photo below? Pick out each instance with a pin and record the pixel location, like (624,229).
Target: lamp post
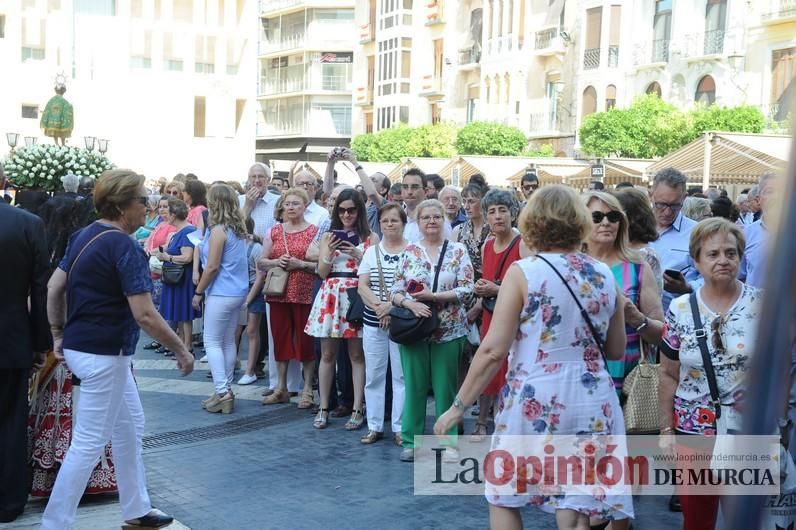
(12,139)
(89,141)
(30,141)
(103,145)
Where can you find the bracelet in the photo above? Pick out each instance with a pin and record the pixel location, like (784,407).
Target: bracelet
(358,168)
(643,324)
(196,293)
(457,403)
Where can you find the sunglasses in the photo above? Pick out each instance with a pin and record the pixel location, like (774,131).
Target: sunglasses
(349,211)
(715,328)
(173,192)
(613,217)
(528,187)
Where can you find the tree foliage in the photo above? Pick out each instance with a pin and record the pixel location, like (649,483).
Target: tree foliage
(389,145)
(651,127)
(490,138)
(543,151)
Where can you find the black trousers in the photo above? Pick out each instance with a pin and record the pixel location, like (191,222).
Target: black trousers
(14,469)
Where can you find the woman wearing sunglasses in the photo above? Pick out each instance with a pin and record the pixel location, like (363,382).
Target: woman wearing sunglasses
(609,243)
(728,312)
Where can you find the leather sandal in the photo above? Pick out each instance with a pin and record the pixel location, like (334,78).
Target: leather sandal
(276,398)
(322,419)
(479,433)
(307,400)
(356,420)
(371,437)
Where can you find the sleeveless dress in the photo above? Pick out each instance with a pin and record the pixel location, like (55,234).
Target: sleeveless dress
(557,382)
(328,315)
(299,283)
(175,300)
(491,263)
(628,277)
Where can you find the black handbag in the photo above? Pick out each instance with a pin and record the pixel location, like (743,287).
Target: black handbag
(356,307)
(488,303)
(172,273)
(405,327)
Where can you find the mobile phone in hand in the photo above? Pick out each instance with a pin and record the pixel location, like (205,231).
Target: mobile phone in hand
(674,273)
(414,287)
(342,235)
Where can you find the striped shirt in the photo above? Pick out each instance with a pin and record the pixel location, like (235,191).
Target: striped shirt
(389,262)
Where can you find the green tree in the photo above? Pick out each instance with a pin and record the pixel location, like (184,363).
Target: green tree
(434,141)
(744,118)
(389,145)
(544,151)
(490,138)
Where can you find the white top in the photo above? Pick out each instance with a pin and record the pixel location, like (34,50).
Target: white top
(262,213)
(315,215)
(369,265)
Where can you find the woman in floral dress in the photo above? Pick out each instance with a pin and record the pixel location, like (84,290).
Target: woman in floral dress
(338,265)
(557,381)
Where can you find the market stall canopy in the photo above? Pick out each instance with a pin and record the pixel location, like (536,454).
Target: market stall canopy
(346,174)
(507,171)
(426,165)
(722,159)
(616,170)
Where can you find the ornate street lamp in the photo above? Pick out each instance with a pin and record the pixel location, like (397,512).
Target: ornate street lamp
(30,141)
(103,145)
(12,139)
(89,141)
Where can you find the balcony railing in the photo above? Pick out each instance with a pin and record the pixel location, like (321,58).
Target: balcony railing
(268,6)
(591,59)
(471,55)
(780,9)
(660,51)
(545,38)
(544,122)
(280,128)
(705,43)
(613,56)
(288,43)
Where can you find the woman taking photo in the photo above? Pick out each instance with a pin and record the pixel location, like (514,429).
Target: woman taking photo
(501,209)
(728,312)
(224,285)
(287,249)
(435,361)
(176,299)
(98,298)
(608,242)
(557,382)
(376,276)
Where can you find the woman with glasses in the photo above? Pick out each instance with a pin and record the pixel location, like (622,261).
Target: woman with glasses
(341,251)
(287,249)
(608,242)
(175,189)
(433,361)
(728,312)
(158,238)
(151,221)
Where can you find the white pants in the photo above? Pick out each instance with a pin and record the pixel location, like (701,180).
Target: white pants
(221,320)
(295,382)
(379,349)
(109,409)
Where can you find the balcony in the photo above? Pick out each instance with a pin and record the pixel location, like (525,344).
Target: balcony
(613,56)
(280,128)
(272,6)
(290,42)
(469,58)
(367,33)
(434,13)
(545,123)
(431,87)
(282,86)
(779,11)
(364,97)
(591,59)
(548,42)
(660,50)
(701,45)
(653,54)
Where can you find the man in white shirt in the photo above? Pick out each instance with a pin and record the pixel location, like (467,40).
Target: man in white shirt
(314,214)
(413,188)
(259,203)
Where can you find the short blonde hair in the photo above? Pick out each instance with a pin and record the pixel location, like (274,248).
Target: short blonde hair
(709,227)
(116,189)
(554,218)
(430,203)
(175,184)
(622,242)
(296,192)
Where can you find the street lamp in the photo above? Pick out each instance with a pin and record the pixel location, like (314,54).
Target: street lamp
(89,141)
(12,139)
(30,141)
(103,145)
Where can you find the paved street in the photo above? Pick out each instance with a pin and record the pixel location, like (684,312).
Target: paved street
(266,467)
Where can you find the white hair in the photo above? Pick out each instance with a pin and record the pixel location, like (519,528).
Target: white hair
(70,182)
(264,167)
(450,189)
(754,191)
(742,198)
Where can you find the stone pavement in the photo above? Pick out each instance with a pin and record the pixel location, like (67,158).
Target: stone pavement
(266,467)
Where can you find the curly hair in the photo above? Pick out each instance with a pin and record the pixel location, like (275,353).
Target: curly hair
(225,210)
(640,217)
(497,197)
(554,218)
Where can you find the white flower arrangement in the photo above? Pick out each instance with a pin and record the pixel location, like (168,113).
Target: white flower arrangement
(42,166)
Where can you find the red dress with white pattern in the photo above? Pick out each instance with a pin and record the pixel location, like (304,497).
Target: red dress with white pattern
(327,318)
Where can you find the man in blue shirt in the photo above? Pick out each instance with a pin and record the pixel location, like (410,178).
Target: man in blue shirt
(674,230)
(757,234)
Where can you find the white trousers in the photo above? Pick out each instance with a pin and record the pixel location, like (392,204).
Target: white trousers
(109,409)
(295,381)
(379,350)
(221,320)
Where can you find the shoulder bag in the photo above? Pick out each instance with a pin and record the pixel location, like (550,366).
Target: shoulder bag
(641,398)
(90,241)
(172,273)
(405,327)
(356,306)
(488,303)
(710,375)
(276,277)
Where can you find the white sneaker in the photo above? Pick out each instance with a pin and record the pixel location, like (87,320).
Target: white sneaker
(203,359)
(247,379)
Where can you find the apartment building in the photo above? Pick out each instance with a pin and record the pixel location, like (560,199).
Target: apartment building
(167,82)
(544,65)
(305,59)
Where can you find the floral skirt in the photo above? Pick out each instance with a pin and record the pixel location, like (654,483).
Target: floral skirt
(328,315)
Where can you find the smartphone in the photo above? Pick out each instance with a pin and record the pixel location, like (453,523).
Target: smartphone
(342,235)
(414,287)
(674,273)
(160,249)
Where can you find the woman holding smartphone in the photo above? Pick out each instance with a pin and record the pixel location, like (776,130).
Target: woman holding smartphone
(341,250)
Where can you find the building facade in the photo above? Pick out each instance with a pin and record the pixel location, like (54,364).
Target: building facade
(167,82)
(305,61)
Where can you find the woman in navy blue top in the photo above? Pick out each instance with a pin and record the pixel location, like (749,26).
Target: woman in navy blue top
(98,297)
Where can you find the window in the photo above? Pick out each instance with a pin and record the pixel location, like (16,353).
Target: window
(2,26)
(30,112)
(96,7)
(141,49)
(386,117)
(783,81)
(240,107)
(706,91)
(335,76)
(172,56)
(174,65)
(661,31)
(54,5)
(403,114)
(183,11)
(137,8)
(654,88)
(33,39)
(614,36)
(32,54)
(610,97)
(436,114)
(141,62)
(591,52)
(438,59)
(199,116)
(205,49)
(336,115)
(589,101)
(473,95)
(388,67)
(715,20)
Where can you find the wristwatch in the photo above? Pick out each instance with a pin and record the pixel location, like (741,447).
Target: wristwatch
(643,324)
(457,403)
(358,168)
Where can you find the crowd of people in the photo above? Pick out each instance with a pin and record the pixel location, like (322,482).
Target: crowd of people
(314,272)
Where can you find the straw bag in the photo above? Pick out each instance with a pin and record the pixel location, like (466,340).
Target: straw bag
(641,392)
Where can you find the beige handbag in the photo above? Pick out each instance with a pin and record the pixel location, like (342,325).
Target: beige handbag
(276,277)
(641,390)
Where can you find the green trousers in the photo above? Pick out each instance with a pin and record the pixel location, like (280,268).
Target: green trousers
(428,364)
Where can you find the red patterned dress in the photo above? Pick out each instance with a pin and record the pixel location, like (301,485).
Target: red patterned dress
(50,433)
(328,315)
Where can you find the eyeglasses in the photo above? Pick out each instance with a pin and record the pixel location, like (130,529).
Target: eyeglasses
(715,328)
(349,211)
(529,187)
(613,216)
(427,218)
(292,204)
(173,192)
(305,184)
(672,206)
(413,187)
